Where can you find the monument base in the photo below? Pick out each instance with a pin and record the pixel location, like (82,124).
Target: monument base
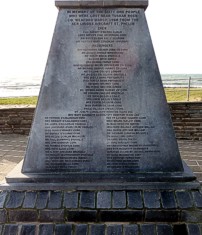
(99,212)
(16,180)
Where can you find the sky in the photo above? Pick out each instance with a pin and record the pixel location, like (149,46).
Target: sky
(26,29)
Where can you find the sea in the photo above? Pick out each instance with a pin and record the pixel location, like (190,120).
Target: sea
(30,86)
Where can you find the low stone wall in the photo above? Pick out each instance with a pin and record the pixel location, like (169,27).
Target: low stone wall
(101,212)
(16,120)
(186,116)
(187,120)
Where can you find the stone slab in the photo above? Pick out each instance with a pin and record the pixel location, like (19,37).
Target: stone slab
(102,111)
(19,181)
(101,3)
(92,229)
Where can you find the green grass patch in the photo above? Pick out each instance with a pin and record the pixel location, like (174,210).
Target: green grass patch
(180,94)
(32,100)
(172,94)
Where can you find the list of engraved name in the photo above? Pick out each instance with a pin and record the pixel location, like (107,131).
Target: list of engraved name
(103,69)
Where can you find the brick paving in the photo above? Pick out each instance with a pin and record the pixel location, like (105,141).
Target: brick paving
(12,149)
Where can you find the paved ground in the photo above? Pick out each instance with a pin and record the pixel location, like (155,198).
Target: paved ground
(12,148)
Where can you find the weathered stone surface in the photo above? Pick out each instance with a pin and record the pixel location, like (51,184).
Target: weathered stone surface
(114,229)
(184,199)
(45,229)
(135,99)
(98,229)
(168,200)
(3,196)
(28,229)
(178,114)
(15,199)
(70,200)
(63,229)
(135,199)
(42,199)
(30,200)
(131,229)
(151,199)
(191,216)
(87,200)
(81,229)
(55,200)
(10,229)
(164,229)
(3,216)
(119,199)
(148,229)
(51,216)
(193,229)
(104,199)
(197,199)
(23,215)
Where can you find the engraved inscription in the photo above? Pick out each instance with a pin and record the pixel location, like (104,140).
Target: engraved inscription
(103,68)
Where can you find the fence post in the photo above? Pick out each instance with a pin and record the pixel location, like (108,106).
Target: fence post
(188,88)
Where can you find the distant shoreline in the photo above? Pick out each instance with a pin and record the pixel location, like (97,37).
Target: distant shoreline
(172,94)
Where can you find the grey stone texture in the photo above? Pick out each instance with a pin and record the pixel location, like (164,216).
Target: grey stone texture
(55,200)
(164,229)
(184,199)
(67,81)
(87,200)
(15,199)
(131,229)
(135,199)
(127,206)
(45,229)
(148,229)
(168,200)
(3,216)
(63,229)
(197,198)
(28,229)
(114,229)
(10,229)
(119,199)
(23,215)
(51,216)
(151,199)
(70,200)
(101,229)
(104,199)
(186,118)
(81,229)
(30,200)
(3,196)
(98,229)
(42,199)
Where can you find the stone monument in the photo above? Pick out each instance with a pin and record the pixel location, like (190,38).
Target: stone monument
(102,125)
(102,112)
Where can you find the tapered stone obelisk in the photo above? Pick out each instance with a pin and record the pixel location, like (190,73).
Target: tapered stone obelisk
(102,114)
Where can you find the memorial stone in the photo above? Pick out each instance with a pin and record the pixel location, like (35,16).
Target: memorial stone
(102,113)
(102,157)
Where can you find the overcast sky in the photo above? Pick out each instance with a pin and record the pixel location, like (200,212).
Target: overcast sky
(26,29)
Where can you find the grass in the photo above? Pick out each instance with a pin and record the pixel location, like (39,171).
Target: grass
(31,100)
(172,94)
(180,94)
